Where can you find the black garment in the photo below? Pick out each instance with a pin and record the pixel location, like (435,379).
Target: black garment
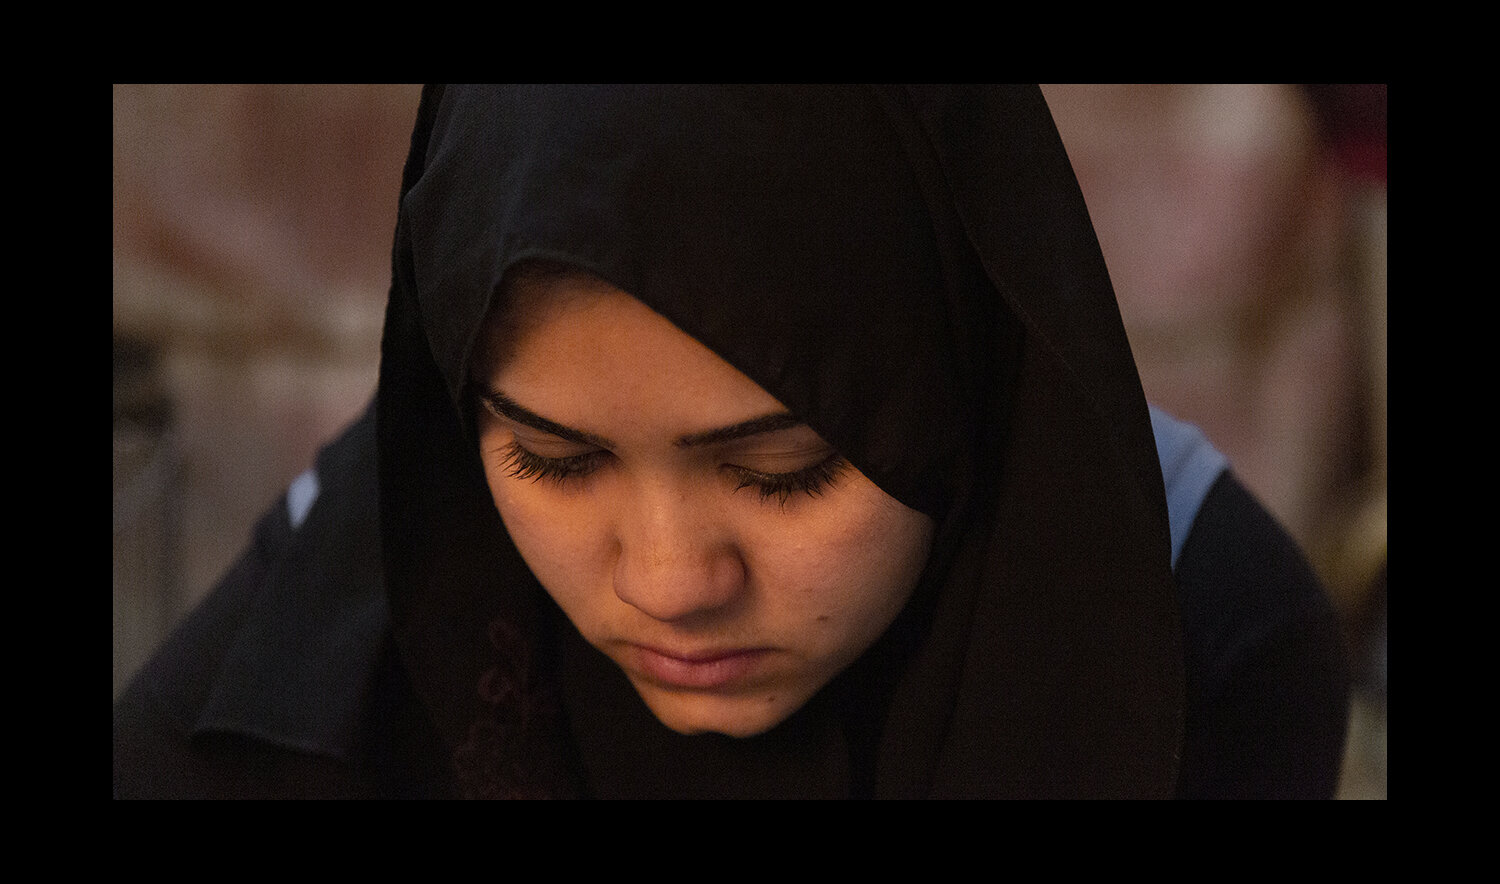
(284,682)
(909,270)
(215,713)
(1267,678)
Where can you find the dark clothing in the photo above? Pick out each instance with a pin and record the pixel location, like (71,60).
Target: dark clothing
(911,271)
(286,682)
(1267,677)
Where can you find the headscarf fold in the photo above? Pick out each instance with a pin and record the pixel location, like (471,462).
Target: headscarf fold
(912,271)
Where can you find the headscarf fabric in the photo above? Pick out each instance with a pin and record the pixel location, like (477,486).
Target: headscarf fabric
(910,270)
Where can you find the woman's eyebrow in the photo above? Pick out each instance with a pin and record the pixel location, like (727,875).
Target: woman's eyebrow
(768,423)
(508,407)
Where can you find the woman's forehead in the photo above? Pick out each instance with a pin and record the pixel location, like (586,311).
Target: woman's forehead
(533,294)
(584,350)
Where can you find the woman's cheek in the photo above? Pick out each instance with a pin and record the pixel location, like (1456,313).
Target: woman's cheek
(547,531)
(852,554)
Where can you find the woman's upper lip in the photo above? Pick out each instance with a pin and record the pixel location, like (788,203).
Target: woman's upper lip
(713,668)
(707,655)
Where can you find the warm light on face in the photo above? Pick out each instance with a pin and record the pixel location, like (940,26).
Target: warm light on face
(715,548)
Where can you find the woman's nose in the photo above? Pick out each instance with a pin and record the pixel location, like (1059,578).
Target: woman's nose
(676,562)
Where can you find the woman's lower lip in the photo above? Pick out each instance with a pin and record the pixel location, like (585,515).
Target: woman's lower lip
(703,673)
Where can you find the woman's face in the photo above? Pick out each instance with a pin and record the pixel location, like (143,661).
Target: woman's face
(720,552)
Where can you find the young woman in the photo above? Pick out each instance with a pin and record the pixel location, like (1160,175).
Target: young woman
(750,442)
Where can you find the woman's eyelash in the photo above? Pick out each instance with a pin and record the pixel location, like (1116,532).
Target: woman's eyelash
(523,464)
(812,481)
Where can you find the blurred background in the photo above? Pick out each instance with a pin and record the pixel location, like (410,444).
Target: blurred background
(1244,227)
(252,235)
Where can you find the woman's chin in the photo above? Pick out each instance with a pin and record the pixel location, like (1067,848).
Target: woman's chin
(740,715)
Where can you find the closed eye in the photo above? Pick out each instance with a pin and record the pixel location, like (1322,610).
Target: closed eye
(812,480)
(521,463)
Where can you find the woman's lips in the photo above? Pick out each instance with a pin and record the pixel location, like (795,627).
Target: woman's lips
(701,671)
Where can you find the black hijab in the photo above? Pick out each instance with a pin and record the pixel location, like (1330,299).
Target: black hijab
(913,272)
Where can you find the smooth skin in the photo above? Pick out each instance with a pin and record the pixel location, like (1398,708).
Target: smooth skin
(715,548)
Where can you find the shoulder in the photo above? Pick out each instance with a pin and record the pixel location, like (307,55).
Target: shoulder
(1267,676)
(1268,682)
(262,690)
